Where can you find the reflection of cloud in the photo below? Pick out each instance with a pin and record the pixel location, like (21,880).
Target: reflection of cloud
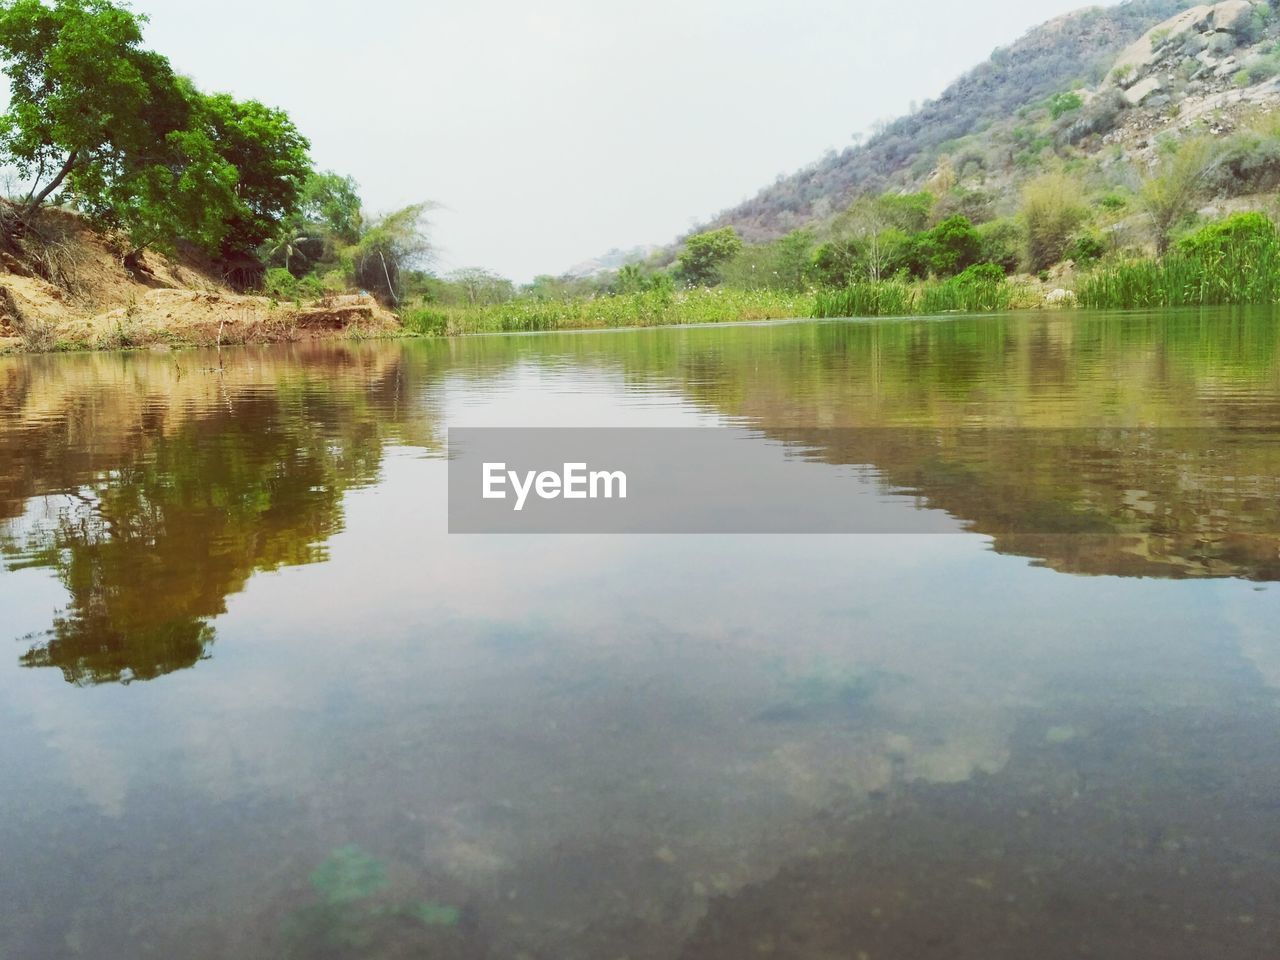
(1255,615)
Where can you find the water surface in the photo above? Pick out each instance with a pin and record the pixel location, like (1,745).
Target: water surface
(258,703)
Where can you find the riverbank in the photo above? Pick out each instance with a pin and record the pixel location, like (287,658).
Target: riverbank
(67,286)
(168,317)
(202,318)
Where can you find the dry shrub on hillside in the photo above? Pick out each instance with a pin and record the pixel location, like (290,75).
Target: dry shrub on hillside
(44,244)
(1172,189)
(1052,211)
(55,253)
(36,333)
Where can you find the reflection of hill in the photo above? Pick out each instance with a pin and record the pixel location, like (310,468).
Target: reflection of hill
(195,480)
(983,417)
(1170,503)
(1012,458)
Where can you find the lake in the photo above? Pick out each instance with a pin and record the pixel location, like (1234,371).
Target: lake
(257,702)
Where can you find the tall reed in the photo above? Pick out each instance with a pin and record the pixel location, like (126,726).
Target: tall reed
(895,299)
(1246,271)
(642,309)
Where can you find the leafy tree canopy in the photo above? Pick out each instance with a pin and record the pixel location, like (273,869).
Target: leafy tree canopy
(109,124)
(332,201)
(388,248)
(704,253)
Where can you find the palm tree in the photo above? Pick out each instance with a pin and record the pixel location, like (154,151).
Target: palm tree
(286,246)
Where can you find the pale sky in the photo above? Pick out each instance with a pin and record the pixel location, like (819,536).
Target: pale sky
(551,132)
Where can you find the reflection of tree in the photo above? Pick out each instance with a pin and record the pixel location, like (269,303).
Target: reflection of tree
(150,549)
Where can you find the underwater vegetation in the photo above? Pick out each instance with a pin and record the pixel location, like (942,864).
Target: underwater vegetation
(823,689)
(353,916)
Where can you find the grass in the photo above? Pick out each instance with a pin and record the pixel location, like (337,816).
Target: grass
(1241,273)
(648,309)
(885,299)
(895,299)
(717,305)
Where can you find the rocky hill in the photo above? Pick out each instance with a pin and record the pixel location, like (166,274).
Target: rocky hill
(1078,50)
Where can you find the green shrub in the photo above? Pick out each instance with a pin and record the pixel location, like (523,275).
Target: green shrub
(1263,67)
(1085,249)
(1002,241)
(280,284)
(426,321)
(1052,212)
(1063,103)
(981,273)
(945,250)
(1113,202)
(1237,230)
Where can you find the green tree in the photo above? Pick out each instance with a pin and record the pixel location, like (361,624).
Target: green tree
(332,201)
(837,263)
(871,237)
(1064,103)
(95,118)
(781,265)
(287,247)
(83,94)
(949,248)
(388,248)
(270,157)
(480,286)
(181,189)
(634,278)
(703,254)
(908,212)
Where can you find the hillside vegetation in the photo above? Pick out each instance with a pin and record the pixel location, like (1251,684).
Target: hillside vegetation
(1070,51)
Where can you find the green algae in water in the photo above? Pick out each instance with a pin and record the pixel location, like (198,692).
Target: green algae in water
(347,875)
(825,685)
(825,688)
(351,917)
(433,914)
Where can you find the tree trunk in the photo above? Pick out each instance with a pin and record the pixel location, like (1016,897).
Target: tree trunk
(53,185)
(390,288)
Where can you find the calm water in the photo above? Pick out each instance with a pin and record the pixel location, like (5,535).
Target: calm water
(257,703)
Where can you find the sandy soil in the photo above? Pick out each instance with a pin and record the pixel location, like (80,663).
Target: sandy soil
(69,287)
